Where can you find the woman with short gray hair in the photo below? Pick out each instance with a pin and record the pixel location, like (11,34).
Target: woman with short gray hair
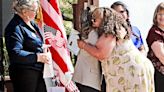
(24,43)
(19,5)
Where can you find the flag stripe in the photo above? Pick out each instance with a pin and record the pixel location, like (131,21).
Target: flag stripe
(56,57)
(72,87)
(55,6)
(48,20)
(47,8)
(52,18)
(60,54)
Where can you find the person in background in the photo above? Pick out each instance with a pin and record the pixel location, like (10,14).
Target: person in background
(125,69)
(87,74)
(155,41)
(136,34)
(24,43)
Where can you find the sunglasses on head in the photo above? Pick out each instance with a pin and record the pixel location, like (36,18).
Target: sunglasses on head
(94,18)
(122,11)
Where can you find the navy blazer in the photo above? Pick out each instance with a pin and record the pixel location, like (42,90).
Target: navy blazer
(23,44)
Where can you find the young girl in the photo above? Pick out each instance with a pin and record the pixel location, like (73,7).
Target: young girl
(124,68)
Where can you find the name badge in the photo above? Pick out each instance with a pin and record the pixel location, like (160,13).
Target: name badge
(33,35)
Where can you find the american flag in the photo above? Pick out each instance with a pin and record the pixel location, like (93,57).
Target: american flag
(52,17)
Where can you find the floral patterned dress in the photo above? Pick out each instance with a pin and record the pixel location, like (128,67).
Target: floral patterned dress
(127,70)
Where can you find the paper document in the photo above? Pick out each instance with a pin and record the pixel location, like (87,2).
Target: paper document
(72,42)
(48,68)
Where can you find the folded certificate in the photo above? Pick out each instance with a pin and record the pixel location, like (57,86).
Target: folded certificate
(72,42)
(48,71)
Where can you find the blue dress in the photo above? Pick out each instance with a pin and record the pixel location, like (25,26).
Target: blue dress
(136,37)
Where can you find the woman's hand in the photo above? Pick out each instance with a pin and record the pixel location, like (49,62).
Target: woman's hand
(81,43)
(49,35)
(44,57)
(122,33)
(45,47)
(142,50)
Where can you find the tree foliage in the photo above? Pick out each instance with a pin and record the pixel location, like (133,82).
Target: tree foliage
(67,12)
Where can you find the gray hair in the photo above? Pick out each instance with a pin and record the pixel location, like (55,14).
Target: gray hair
(19,5)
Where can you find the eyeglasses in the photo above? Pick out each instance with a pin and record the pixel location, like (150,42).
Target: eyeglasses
(33,10)
(160,14)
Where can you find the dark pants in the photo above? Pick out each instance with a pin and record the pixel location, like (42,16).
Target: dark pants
(159,81)
(84,88)
(27,80)
(103,86)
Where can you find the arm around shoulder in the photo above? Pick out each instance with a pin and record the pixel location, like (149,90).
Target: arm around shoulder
(103,48)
